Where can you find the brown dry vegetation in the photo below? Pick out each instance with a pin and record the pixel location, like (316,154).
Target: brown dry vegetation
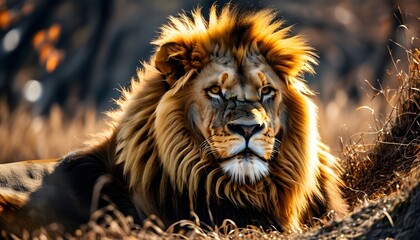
(383,177)
(376,170)
(24,136)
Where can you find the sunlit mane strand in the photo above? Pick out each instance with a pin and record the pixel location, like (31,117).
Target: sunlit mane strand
(239,34)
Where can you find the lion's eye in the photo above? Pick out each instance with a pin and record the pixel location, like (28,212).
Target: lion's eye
(266,90)
(215,90)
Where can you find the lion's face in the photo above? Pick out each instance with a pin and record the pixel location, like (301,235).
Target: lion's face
(239,115)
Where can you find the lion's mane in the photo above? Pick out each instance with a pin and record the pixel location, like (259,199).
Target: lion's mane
(160,153)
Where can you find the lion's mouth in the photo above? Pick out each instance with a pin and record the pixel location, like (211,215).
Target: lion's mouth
(246,155)
(245,167)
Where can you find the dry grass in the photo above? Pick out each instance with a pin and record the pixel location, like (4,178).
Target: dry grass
(383,177)
(24,136)
(376,170)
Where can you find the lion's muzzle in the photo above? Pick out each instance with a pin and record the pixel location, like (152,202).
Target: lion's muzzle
(248,145)
(245,118)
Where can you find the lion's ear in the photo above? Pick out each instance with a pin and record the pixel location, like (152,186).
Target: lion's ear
(168,61)
(174,60)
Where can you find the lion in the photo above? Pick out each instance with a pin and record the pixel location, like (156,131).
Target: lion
(219,122)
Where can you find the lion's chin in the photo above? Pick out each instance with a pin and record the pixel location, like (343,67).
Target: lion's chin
(249,169)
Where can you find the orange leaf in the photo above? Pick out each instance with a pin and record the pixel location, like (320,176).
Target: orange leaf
(5,19)
(54,32)
(44,53)
(53,60)
(38,39)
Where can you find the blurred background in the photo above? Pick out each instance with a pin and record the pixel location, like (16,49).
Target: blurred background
(62,59)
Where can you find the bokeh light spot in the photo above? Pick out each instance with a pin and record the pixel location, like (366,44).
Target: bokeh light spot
(33,91)
(11,40)
(343,15)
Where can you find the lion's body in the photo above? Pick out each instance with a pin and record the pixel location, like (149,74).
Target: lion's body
(218,123)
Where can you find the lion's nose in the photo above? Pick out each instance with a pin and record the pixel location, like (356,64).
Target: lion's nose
(245,130)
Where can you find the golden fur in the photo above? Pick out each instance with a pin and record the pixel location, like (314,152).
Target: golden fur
(152,128)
